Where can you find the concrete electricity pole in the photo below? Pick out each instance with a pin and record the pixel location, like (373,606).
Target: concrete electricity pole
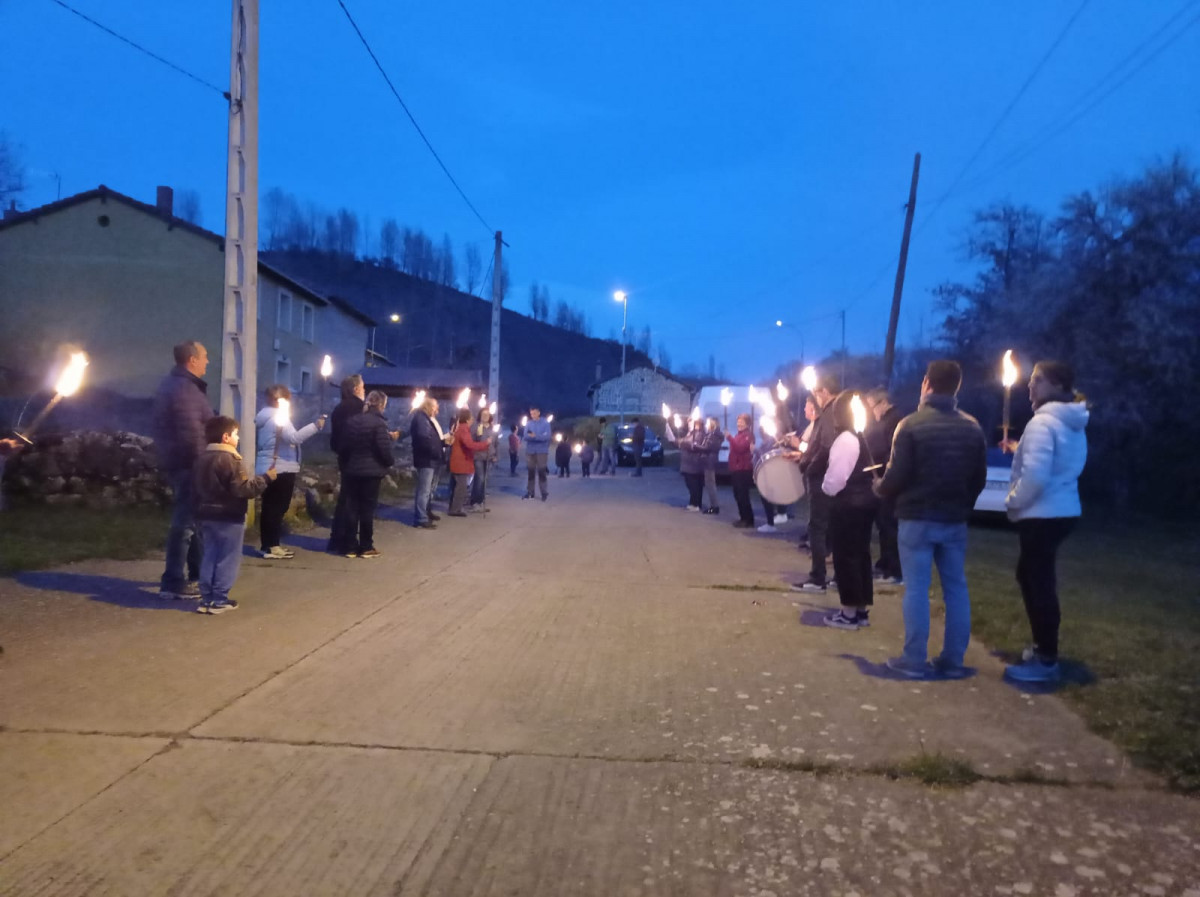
(889,352)
(497,300)
(239,339)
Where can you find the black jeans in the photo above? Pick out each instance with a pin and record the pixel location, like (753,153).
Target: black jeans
(637,458)
(275,503)
(512,464)
(587,468)
(889,546)
(850,535)
(1037,575)
(818,530)
(742,480)
(362,497)
(770,510)
(695,488)
(339,530)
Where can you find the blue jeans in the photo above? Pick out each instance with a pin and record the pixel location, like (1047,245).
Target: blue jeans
(184,541)
(424,494)
(924,543)
(479,484)
(222,559)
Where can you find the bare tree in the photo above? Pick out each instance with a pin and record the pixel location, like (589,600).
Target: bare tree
(445,274)
(187,206)
(535,301)
(366,236)
(12,170)
(347,233)
(474,266)
(644,341)
(274,219)
(562,315)
(389,242)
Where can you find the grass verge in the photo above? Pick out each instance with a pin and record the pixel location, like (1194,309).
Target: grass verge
(1130,634)
(34,538)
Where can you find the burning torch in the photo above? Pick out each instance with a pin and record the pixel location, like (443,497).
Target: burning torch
(1008,378)
(68,384)
(726,398)
(281,418)
(464,398)
(418,398)
(326,370)
(859,412)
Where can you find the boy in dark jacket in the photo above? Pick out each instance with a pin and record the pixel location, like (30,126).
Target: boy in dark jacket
(562,457)
(222,489)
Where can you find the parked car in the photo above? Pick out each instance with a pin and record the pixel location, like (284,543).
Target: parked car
(652,450)
(991,499)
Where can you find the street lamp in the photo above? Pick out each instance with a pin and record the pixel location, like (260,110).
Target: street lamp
(394,317)
(799,333)
(623,297)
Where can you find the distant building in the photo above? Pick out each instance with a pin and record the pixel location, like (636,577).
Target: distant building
(126,281)
(642,390)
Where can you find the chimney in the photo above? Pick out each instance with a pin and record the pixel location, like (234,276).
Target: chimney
(165,201)
(11,211)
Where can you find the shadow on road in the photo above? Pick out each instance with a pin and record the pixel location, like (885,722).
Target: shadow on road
(108,589)
(881,671)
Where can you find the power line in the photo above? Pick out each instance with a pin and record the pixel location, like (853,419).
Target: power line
(1004,114)
(142,49)
(1023,152)
(404,106)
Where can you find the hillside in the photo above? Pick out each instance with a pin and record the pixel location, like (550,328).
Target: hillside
(442,327)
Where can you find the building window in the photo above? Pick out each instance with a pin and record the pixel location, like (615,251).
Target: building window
(284,321)
(283,373)
(305,381)
(307,314)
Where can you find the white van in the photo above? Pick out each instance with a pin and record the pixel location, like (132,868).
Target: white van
(709,401)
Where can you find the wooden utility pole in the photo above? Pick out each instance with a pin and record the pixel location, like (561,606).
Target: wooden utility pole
(889,352)
(497,301)
(239,338)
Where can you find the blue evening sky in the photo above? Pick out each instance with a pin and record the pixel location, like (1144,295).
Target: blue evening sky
(726,164)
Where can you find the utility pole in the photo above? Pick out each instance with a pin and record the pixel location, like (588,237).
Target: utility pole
(239,340)
(497,301)
(889,352)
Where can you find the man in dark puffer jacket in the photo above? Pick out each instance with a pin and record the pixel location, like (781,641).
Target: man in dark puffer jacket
(937,470)
(181,409)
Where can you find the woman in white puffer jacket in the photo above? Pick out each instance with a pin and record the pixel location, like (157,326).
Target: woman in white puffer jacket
(1043,502)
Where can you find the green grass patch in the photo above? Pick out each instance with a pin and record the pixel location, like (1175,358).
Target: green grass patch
(816,767)
(33,538)
(1130,634)
(936,770)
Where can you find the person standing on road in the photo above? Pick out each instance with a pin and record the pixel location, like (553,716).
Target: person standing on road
(879,440)
(1043,502)
(278,447)
(428,443)
(562,456)
(587,455)
(638,445)
(514,450)
(464,449)
(482,432)
(813,465)
(741,470)
(350,407)
(181,409)
(691,463)
(937,469)
(608,448)
(537,451)
(365,456)
(712,442)
(851,514)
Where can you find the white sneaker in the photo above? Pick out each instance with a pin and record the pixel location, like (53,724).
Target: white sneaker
(780,519)
(691,508)
(767,528)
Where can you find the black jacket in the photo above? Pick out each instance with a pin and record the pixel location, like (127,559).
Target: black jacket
(938,465)
(879,435)
(346,410)
(427,446)
(181,409)
(562,454)
(365,448)
(816,459)
(221,486)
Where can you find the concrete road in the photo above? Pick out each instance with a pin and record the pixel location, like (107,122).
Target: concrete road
(595,695)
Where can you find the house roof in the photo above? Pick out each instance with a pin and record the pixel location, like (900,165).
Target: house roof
(661,372)
(422,378)
(173,221)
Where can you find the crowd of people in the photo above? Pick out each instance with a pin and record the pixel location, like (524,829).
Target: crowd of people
(913,479)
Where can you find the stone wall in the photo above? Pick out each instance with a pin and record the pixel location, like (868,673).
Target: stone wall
(93,469)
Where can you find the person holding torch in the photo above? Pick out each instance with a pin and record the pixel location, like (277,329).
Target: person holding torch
(278,447)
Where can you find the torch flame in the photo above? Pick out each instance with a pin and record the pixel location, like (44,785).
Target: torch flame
(752,395)
(525,421)
(578,447)
(666,411)
(696,413)
(781,391)
(726,396)
(808,378)
(72,376)
(282,413)
(483,401)
(550,419)
(769,426)
(1010,370)
(678,421)
(495,428)
(803,446)
(326,367)
(558,437)
(464,398)
(859,410)
(418,398)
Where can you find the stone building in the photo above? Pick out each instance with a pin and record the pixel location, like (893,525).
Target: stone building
(642,390)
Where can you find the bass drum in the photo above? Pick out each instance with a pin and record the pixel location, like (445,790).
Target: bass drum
(779,480)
